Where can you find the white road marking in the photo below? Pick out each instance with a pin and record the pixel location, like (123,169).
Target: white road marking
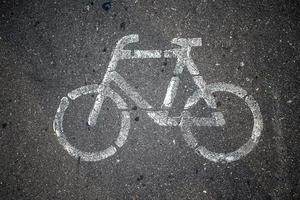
(125,126)
(92,120)
(200,93)
(171,92)
(103,92)
(217,119)
(249,145)
(91,156)
(83,91)
(140,54)
(161,117)
(136,97)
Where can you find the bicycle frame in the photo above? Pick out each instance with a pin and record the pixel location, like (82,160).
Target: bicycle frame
(161,117)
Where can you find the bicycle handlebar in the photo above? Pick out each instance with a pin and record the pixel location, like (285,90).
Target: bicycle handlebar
(185,43)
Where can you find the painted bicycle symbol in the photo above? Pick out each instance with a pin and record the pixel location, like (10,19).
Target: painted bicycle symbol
(161,117)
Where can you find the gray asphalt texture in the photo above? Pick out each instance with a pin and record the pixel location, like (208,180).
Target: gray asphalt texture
(49,48)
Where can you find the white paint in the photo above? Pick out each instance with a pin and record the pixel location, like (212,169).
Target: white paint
(183,54)
(104,92)
(201,93)
(171,92)
(256,132)
(83,91)
(90,156)
(125,126)
(161,117)
(136,97)
(217,119)
(86,156)
(140,54)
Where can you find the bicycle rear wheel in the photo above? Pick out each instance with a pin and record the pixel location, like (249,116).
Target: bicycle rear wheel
(245,148)
(59,117)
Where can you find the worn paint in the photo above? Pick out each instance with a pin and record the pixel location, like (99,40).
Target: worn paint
(161,117)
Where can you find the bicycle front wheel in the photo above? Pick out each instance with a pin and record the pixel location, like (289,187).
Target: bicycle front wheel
(59,118)
(245,148)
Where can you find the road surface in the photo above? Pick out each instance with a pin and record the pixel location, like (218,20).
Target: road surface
(49,48)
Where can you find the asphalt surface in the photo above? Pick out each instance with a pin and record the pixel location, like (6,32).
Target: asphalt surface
(49,48)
